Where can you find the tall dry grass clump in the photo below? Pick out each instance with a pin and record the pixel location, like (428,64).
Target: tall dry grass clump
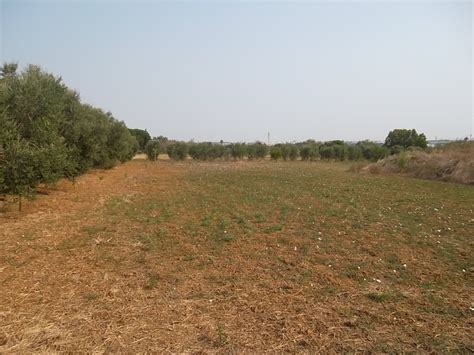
(452,162)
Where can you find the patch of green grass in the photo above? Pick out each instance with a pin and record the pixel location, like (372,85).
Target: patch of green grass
(74,242)
(191,229)
(303,276)
(152,281)
(206,221)
(284,211)
(274,228)
(90,296)
(12,261)
(150,241)
(190,257)
(221,335)
(91,230)
(260,217)
(327,291)
(379,296)
(224,223)
(352,271)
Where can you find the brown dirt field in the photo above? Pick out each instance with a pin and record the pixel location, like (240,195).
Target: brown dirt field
(133,259)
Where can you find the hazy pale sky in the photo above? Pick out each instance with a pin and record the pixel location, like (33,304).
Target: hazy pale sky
(236,70)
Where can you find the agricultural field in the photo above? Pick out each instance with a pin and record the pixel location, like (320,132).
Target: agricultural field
(239,257)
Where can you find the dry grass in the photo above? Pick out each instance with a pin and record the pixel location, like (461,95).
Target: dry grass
(239,257)
(453,162)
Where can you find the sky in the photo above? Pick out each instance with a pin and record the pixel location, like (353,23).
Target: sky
(234,71)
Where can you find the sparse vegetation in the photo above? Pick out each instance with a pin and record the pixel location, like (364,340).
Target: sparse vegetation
(453,162)
(194,243)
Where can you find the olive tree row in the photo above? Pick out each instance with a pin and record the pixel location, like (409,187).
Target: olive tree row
(46,133)
(206,150)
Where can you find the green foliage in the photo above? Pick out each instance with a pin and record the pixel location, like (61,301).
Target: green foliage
(152,149)
(373,151)
(46,133)
(257,151)
(405,138)
(19,169)
(275,153)
(402,162)
(327,152)
(142,137)
(340,151)
(396,149)
(238,150)
(294,152)
(178,151)
(309,151)
(285,151)
(354,152)
(207,151)
(305,152)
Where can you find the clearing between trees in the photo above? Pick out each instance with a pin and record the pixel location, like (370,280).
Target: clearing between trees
(239,256)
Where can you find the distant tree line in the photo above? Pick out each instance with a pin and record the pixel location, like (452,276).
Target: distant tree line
(310,150)
(47,133)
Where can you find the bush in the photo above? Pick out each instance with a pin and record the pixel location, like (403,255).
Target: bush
(294,152)
(178,151)
(305,152)
(142,137)
(152,149)
(275,153)
(402,162)
(238,150)
(257,151)
(396,149)
(327,152)
(373,151)
(207,151)
(285,151)
(354,152)
(340,152)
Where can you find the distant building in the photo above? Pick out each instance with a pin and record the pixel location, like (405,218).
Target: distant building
(437,142)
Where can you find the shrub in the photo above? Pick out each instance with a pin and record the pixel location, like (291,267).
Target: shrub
(373,151)
(305,152)
(152,149)
(275,153)
(327,152)
(285,151)
(340,152)
(294,152)
(178,151)
(354,152)
(142,137)
(238,150)
(396,149)
(257,151)
(207,151)
(402,162)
